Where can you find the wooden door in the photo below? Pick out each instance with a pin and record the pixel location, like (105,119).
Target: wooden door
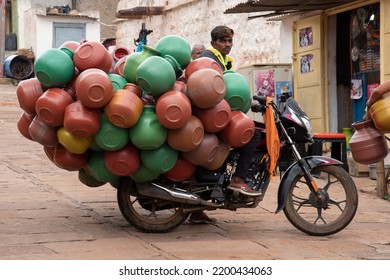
(309,70)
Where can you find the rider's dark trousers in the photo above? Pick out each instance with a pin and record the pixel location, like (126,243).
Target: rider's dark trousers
(246,153)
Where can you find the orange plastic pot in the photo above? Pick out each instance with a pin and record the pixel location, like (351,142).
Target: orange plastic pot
(69,161)
(239,131)
(201,63)
(28,92)
(188,137)
(124,108)
(51,105)
(43,133)
(173,109)
(123,162)
(216,118)
(181,171)
(94,88)
(205,152)
(81,120)
(23,124)
(206,88)
(91,54)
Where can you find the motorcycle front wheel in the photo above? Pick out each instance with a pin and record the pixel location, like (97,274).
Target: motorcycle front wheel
(148,214)
(326,216)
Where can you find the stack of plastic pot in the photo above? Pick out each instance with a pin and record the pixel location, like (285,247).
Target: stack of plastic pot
(160,115)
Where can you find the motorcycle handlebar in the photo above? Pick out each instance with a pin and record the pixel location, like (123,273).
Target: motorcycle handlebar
(261,106)
(261,99)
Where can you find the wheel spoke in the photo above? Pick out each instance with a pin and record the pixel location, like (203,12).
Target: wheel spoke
(338,204)
(146,213)
(300,201)
(328,211)
(319,216)
(330,182)
(153,211)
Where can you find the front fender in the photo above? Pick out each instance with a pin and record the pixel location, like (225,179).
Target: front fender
(294,171)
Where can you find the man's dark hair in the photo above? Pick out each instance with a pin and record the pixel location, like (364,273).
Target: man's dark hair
(221,32)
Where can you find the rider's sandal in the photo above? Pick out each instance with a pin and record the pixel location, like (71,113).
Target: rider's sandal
(201,218)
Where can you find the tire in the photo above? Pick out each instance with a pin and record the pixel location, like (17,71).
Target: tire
(148,214)
(330,216)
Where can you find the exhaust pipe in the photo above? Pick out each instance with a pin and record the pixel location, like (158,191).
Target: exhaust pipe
(172,194)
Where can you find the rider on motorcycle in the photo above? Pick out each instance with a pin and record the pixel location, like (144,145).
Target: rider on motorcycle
(222,42)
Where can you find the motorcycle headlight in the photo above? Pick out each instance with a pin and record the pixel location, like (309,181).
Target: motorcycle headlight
(308,126)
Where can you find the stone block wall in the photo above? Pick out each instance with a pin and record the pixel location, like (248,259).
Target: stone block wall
(256,41)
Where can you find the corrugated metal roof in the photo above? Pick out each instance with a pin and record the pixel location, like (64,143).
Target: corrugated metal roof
(282,7)
(70,15)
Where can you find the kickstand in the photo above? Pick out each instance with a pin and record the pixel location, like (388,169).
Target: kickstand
(218,194)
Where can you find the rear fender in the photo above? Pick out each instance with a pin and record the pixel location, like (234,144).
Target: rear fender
(294,171)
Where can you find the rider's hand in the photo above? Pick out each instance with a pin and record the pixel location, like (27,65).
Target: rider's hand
(367,115)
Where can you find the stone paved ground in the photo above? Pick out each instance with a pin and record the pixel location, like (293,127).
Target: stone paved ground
(46,213)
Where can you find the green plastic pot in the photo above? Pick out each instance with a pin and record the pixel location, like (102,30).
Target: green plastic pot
(144,174)
(54,68)
(110,137)
(177,47)
(159,160)
(238,92)
(134,59)
(118,82)
(97,168)
(155,76)
(88,180)
(148,133)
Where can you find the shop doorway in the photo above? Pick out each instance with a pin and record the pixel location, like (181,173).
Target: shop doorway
(354,62)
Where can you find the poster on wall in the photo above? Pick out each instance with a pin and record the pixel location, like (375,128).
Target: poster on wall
(283,87)
(306,63)
(264,82)
(305,37)
(370,89)
(356,89)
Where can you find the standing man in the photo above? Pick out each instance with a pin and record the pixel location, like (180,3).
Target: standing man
(222,43)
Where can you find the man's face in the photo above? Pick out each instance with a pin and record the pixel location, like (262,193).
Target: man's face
(197,53)
(223,45)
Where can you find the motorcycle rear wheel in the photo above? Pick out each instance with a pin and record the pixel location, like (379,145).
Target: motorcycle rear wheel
(148,214)
(334,213)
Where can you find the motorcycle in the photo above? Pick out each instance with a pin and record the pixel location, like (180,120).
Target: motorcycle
(315,193)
